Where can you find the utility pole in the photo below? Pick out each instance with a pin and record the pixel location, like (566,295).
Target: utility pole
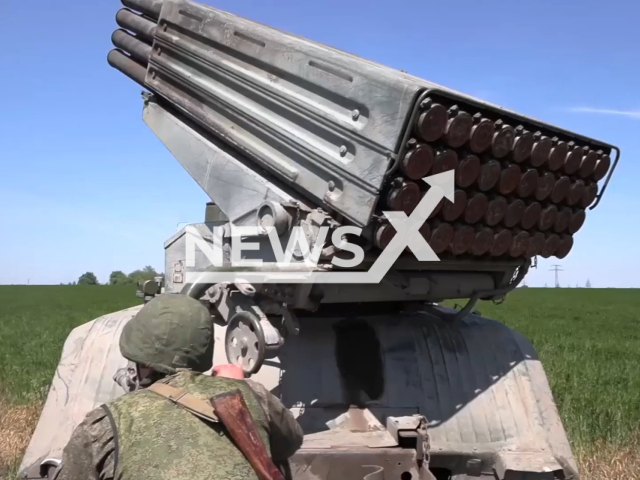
(556,269)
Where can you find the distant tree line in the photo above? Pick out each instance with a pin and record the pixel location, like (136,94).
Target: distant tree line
(118,277)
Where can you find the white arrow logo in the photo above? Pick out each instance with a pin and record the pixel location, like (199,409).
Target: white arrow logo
(407,229)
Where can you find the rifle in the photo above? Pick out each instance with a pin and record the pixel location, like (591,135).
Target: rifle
(232,411)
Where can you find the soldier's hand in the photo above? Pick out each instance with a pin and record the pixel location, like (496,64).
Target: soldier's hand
(228,371)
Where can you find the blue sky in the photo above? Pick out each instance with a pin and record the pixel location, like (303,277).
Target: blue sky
(84,185)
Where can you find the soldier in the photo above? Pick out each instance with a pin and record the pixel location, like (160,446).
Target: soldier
(144,435)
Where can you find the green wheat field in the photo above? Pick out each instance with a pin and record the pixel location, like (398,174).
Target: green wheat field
(588,340)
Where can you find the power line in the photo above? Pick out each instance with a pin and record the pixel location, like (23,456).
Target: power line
(556,269)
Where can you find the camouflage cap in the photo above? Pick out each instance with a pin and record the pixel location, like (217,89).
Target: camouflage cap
(172,331)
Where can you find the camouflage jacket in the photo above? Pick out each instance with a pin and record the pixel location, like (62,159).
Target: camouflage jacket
(91,453)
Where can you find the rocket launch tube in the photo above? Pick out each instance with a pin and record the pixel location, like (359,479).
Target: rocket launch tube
(150,8)
(132,69)
(138,50)
(137,24)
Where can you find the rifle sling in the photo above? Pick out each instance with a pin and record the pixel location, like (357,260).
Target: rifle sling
(205,411)
(188,401)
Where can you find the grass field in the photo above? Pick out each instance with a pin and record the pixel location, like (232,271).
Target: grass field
(34,322)
(588,339)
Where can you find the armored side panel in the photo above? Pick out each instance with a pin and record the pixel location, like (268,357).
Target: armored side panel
(236,185)
(479,384)
(309,113)
(83,381)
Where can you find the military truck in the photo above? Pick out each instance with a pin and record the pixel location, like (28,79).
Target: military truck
(366,197)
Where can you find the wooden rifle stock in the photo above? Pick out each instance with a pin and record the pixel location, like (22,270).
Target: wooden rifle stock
(232,411)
